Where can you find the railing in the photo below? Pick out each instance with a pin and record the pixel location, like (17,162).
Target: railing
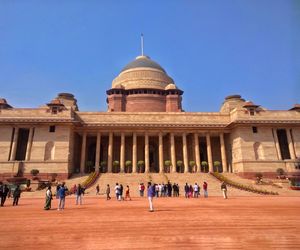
(240,186)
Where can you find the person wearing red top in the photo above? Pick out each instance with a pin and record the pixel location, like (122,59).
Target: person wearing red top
(205,189)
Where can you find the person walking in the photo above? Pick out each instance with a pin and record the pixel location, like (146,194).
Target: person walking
(224,189)
(205,189)
(127,194)
(141,189)
(48,199)
(117,191)
(151,194)
(79,194)
(5,191)
(108,192)
(16,195)
(97,190)
(62,197)
(121,193)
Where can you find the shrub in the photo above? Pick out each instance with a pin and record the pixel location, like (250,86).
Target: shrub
(128,163)
(28,182)
(204,165)
(192,163)
(116,163)
(258,175)
(279,171)
(141,163)
(103,164)
(217,164)
(179,163)
(34,172)
(168,163)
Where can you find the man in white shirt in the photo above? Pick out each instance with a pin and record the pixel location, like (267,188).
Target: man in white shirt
(196,190)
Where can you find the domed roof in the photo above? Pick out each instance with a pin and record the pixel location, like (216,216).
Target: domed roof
(143,62)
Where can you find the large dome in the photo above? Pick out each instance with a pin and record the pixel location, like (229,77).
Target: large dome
(142,73)
(143,62)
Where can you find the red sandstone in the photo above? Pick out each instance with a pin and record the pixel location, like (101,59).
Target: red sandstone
(177,223)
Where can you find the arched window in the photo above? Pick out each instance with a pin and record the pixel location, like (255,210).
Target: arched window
(258,151)
(49,151)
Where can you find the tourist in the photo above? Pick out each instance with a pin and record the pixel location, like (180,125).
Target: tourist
(16,195)
(162,191)
(121,193)
(97,190)
(174,190)
(224,189)
(108,192)
(48,198)
(57,188)
(4,194)
(177,185)
(150,194)
(62,196)
(74,189)
(1,190)
(196,190)
(79,193)
(186,190)
(205,189)
(141,189)
(157,190)
(127,194)
(117,191)
(169,189)
(191,191)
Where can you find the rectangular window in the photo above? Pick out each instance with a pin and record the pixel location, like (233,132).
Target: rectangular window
(52,129)
(252,112)
(54,110)
(254,130)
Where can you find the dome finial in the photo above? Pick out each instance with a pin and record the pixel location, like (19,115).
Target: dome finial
(142,43)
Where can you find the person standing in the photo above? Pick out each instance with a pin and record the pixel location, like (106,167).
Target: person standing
(121,193)
(62,197)
(97,189)
(224,189)
(48,198)
(16,195)
(196,190)
(79,193)
(5,191)
(186,190)
(127,194)
(205,189)
(108,192)
(151,194)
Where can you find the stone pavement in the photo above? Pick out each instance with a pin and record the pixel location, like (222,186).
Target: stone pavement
(261,222)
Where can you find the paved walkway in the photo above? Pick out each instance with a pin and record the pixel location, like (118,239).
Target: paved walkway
(237,223)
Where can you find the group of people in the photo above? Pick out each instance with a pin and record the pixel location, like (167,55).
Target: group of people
(6,192)
(194,190)
(119,192)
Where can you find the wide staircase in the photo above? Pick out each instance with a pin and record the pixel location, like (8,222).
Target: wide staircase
(133,181)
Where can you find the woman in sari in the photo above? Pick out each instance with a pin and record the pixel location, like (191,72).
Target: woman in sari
(48,198)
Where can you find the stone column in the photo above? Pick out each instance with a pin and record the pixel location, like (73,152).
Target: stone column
(14,145)
(277,147)
(134,153)
(83,150)
(29,144)
(161,153)
(97,160)
(110,152)
(173,153)
(147,165)
(185,153)
(197,152)
(209,153)
(223,153)
(122,153)
(291,144)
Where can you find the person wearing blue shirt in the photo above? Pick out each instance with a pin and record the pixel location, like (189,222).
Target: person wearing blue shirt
(151,193)
(62,196)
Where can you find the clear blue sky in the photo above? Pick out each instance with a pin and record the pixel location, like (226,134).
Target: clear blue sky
(210,48)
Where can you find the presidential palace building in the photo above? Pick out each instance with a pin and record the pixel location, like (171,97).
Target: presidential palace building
(145,129)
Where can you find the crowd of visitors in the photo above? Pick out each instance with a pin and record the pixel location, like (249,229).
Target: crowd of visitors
(153,190)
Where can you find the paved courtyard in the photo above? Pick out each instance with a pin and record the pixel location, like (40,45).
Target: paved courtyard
(178,223)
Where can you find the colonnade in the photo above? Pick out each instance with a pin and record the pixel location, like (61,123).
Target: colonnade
(160,152)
